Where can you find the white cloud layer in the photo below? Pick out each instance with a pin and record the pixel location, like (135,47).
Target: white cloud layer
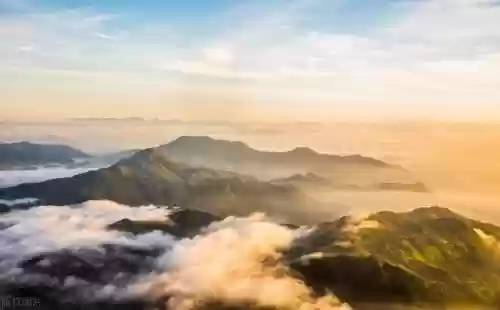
(21,201)
(234,261)
(50,228)
(10,178)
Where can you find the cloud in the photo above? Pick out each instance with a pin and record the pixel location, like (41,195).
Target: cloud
(22,201)
(10,178)
(234,261)
(425,52)
(49,228)
(67,236)
(258,44)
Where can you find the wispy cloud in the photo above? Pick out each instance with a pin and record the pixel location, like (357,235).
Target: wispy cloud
(434,50)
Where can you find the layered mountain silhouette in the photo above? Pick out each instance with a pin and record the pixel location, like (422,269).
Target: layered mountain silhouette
(346,172)
(21,154)
(151,177)
(314,181)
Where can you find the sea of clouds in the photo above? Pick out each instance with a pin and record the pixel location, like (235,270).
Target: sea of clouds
(235,261)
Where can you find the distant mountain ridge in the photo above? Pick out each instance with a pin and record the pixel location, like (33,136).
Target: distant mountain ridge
(239,151)
(314,181)
(27,153)
(351,171)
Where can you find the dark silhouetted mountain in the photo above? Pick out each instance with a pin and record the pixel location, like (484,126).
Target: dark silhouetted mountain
(150,177)
(429,256)
(25,153)
(182,223)
(353,171)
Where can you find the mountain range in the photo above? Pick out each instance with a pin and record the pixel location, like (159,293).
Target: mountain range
(347,172)
(22,154)
(174,174)
(428,257)
(150,177)
(295,167)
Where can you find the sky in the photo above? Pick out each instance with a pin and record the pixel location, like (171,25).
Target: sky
(250,59)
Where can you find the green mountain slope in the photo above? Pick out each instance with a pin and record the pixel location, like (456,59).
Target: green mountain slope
(429,255)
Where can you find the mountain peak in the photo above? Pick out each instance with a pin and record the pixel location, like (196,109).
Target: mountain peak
(303,151)
(204,141)
(27,153)
(423,213)
(434,211)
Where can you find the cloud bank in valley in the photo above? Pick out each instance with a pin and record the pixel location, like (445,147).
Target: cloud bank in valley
(10,178)
(235,261)
(21,201)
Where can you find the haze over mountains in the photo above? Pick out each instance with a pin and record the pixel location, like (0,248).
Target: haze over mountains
(149,177)
(452,156)
(87,241)
(224,177)
(352,171)
(24,154)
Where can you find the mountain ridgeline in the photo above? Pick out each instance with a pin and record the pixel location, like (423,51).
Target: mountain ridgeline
(173,174)
(427,256)
(150,177)
(22,154)
(342,172)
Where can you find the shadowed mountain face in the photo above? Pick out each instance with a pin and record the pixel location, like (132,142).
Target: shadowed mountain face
(353,171)
(429,255)
(150,177)
(181,224)
(25,153)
